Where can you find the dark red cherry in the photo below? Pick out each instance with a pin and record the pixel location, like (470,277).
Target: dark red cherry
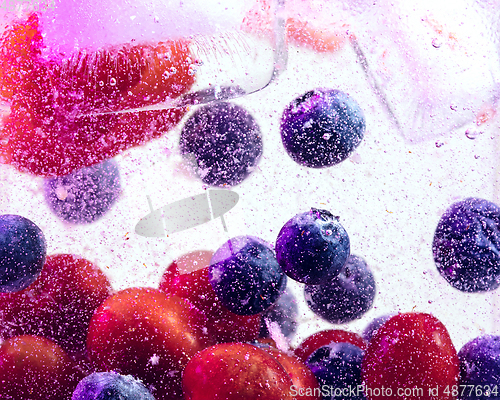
(411,356)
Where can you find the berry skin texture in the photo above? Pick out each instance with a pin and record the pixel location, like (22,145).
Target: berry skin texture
(111,386)
(246,276)
(466,245)
(337,367)
(322,128)
(22,252)
(480,368)
(305,385)
(323,338)
(347,296)
(222,142)
(235,371)
(284,313)
(85,195)
(148,334)
(411,353)
(312,247)
(58,305)
(374,326)
(35,368)
(187,277)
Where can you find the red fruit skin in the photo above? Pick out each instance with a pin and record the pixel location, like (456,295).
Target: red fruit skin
(53,128)
(323,338)
(35,368)
(411,350)
(187,277)
(58,305)
(235,371)
(149,335)
(305,384)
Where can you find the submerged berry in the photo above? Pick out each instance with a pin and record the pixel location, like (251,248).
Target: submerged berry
(85,195)
(466,245)
(22,252)
(322,128)
(222,142)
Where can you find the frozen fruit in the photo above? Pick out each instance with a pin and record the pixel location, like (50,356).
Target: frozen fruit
(22,252)
(148,334)
(34,368)
(86,194)
(312,247)
(246,276)
(322,128)
(374,326)
(466,245)
(187,277)
(222,142)
(54,126)
(58,305)
(111,386)
(283,313)
(323,338)
(411,356)
(168,72)
(337,367)
(304,384)
(347,296)
(480,368)
(235,371)
(20,44)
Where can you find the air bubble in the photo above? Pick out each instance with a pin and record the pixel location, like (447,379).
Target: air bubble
(101,83)
(112,81)
(436,43)
(327,136)
(472,134)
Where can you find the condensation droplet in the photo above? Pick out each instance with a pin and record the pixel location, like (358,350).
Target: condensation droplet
(327,136)
(112,81)
(101,83)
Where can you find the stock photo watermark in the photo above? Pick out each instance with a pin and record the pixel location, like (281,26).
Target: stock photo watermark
(32,5)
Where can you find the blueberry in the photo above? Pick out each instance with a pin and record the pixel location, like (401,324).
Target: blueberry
(337,367)
(111,386)
(347,296)
(374,326)
(22,252)
(312,247)
(480,368)
(322,128)
(222,142)
(466,245)
(85,195)
(245,275)
(284,313)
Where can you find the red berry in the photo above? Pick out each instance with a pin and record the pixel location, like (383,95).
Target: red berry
(34,368)
(149,335)
(235,371)
(323,338)
(411,356)
(305,385)
(187,277)
(59,304)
